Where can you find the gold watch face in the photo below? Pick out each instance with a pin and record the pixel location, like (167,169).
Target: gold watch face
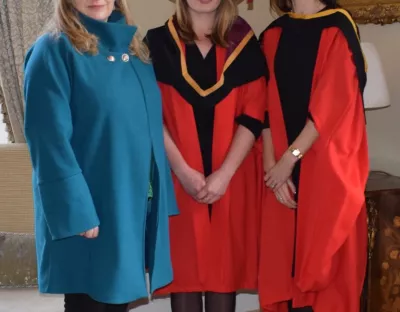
(296,152)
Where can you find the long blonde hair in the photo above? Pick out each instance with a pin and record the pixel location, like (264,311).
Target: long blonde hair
(65,20)
(227,13)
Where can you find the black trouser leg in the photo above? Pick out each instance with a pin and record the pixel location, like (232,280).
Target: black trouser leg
(83,303)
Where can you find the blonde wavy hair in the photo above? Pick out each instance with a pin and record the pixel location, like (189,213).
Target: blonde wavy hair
(65,20)
(227,13)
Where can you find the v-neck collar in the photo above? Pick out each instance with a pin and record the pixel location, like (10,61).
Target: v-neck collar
(225,56)
(195,47)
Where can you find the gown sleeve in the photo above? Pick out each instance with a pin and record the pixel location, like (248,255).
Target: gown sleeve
(339,163)
(61,187)
(336,97)
(253,101)
(253,93)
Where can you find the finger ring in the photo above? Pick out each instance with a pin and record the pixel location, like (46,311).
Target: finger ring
(279,198)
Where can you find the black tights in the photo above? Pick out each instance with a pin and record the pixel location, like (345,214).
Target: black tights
(193,302)
(83,303)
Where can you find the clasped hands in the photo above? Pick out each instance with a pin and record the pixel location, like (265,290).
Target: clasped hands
(205,190)
(277,178)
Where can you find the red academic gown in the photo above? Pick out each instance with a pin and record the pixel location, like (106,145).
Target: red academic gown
(213,248)
(316,255)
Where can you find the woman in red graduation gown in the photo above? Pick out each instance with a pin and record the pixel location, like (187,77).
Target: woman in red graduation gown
(211,72)
(314,237)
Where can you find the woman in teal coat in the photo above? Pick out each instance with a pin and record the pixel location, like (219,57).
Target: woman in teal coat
(93,125)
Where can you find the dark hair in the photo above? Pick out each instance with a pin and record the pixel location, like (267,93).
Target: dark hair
(285,6)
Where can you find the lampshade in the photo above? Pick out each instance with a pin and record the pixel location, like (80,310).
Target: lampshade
(376,93)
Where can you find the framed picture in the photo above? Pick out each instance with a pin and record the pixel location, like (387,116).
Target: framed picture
(373,11)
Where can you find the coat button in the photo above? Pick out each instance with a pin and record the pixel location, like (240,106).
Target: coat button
(111,58)
(125,57)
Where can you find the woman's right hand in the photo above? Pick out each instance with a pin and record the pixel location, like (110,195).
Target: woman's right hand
(284,194)
(93,233)
(192,181)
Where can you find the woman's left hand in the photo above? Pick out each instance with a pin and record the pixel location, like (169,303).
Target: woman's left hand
(216,185)
(281,172)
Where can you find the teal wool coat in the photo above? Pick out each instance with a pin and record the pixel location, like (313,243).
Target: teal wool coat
(94,128)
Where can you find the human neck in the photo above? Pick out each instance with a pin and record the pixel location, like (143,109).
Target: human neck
(307,6)
(202,24)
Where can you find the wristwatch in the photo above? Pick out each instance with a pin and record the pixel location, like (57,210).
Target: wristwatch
(296,152)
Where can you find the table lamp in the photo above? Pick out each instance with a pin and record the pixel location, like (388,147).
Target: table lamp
(376,93)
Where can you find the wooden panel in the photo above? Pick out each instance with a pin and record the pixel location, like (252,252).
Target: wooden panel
(16,202)
(383,279)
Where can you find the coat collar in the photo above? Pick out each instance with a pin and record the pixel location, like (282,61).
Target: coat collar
(114,35)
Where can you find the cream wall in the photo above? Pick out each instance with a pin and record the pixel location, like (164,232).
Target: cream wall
(384,125)
(152,13)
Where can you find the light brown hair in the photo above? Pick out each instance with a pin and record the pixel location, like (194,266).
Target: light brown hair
(280,6)
(65,20)
(227,12)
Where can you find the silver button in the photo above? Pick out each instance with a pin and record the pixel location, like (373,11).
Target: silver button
(125,57)
(111,58)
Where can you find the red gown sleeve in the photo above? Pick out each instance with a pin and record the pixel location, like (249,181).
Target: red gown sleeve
(252,105)
(336,98)
(336,166)
(253,98)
